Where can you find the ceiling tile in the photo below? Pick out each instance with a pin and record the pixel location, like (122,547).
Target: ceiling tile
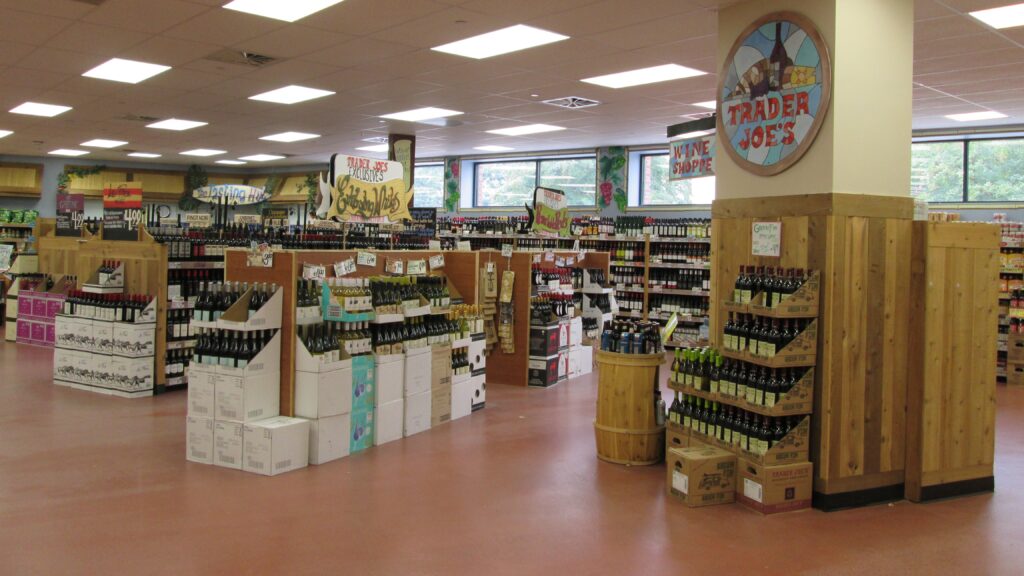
(362,17)
(360,52)
(152,17)
(105,41)
(29,28)
(224,27)
(443,27)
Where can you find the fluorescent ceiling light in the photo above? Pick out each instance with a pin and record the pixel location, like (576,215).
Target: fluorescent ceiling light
(176,124)
(421,114)
(291,95)
(101,143)
(203,152)
(231,162)
(37,109)
(261,157)
(128,71)
(511,39)
(290,137)
(289,11)
(143,155)
(528,129)
(644,76)
(493,148)
(696,134)
(67,152)
(710,104)
(974,116)
(1003,17)
(5,133)
(377,148)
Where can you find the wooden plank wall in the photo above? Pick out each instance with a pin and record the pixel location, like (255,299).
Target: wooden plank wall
(862,247)
(951,375)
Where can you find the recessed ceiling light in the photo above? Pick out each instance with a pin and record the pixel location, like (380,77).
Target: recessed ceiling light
(37,109)
(127,71)
(490,148)
(528,129)
(291,95)
(101,143)
(710,104)
(511,39)
(231,162)
(176,124)
(203,152)
(289,11)
(290,137)
(67,152)
(1003,17)
(143,155)
(377,148)
(261,157)
(641,76)
(421,114)
(974,116)
(5,133)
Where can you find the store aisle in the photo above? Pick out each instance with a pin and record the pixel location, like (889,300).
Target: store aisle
(98,485)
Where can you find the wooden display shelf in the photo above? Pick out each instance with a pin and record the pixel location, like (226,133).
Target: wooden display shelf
(792,449)
(802,351)
(799,400)
(675,292)
(801,304)
(678,266)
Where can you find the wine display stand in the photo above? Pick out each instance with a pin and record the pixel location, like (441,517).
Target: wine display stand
(1009,369)
(798,401)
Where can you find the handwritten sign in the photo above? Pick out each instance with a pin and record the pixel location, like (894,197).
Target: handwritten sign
(506,250)
(365,190)
(199,220)
(313,272)
(416,268)
(550,212)
(394,266)
(549,256)
(122,210)
(437,262)
(70,214)
(235,194)
(260,255)
(433,245)
(247,219)
(464,245)
(766,239)
(345,267)
(6,250)
(692,158)
(366,259)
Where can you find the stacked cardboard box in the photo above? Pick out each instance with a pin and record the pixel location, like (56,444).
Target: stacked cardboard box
(389,404)
(701,476)
(364,403)
(37,310)
(323,395)
(417,390)
(440,384)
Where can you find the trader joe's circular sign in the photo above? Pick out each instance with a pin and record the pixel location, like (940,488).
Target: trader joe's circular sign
(773,92)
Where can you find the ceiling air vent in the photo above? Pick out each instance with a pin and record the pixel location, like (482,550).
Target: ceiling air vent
(91,2)
(572,102)
(242,58)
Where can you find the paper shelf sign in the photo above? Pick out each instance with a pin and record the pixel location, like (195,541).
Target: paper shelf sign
(313,272)
(364,190)
(506,250)
(122,210)
(366,259)
(766,239)
(437,262)
(345,267)
(416,267)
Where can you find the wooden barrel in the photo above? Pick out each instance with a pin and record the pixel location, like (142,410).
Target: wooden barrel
(626,427)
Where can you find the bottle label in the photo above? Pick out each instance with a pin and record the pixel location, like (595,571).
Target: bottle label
(714,386)
(744,297)
(751,394)
(767,350)
(769,399)
(687,421)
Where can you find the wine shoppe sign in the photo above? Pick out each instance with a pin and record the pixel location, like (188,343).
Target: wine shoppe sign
(774,92)
(364,190)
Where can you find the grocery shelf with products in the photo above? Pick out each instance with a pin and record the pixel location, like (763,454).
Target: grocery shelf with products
(1011,283)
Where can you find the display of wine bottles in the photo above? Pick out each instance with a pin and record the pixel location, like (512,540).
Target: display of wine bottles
(112,307)
(662,305)
(729,424)
(683,279)
(627,275)
(216,297)
(630,301)
(187,284)
(776,284)
(705,370)
(632,252)
(176,363)
(230,348)
(762,337)
(544,305)
(631,337)
(545,275)
(179,325)
(695,254)
(460,362)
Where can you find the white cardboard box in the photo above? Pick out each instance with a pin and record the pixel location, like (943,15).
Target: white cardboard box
(134,340)
(417,371)
(479,384)
(328,438)
(199,439)
(462,399)
(417,413)
(227,444)
(477,359)
(323,394)
(275,445)
(586,359)
(201,395)
(390,379)
(390,422)
(246,399)
(575,331)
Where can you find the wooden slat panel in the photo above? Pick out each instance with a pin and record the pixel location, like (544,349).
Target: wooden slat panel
(161,184)
(21,179)
(895,351)
(875,332)
(214,179)
(855,346)
(92,186)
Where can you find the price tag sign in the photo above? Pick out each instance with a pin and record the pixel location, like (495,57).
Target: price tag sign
(570,261)
(579,257)
(6,250)
(576,245)
(243,219)
(560,262)
(490,267)
(549,256)
(417,267)
(465,245)
(536,258)
(260,255)
(506,250)
(345,267)
(313,272)
(366,259)
(433,245)
(394,266)
(437,262)
(199,220)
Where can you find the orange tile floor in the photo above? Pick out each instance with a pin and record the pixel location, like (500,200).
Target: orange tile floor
(91,484)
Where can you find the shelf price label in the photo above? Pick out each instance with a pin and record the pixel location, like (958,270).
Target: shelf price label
(506,250)
(560,262)
(260,255)
(549,256)
(366,259)
(345,267)
(436,262)
(416,268)
(464,245)
(433,244)
(313,272)
(394,266)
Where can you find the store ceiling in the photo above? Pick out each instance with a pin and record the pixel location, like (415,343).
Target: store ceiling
(375,54)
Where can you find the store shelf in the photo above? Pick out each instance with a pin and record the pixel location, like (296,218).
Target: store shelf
(20,225)
(623,264)
(679,266)
(672,292)
(783,360)
(176,381)
(796,402)
(180,304)
(629,289)
(181,344)
(686,318)
(680,240)
(190,265)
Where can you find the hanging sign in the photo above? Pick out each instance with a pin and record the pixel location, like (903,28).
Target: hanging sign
(766,239)
(236,194)
(366,259)
(122,210)
(345,267)
(437,262)
(260,255)
(416,267)
(364,190)
(692,158)
(773,93)
(424,222)
(6,251)
(199,219)
(464,245)
(550,212)
(314,272)
(394,266)
(247,219)
(506,250)
(70,214)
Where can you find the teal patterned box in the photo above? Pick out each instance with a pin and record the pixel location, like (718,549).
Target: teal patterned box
(363,383)
(361,434)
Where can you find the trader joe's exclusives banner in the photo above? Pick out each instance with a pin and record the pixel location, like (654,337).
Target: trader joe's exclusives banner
(364,190)
(692,158)
(550,212)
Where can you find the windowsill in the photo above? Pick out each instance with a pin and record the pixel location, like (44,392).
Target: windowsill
(523,209)
(671,208)
(976,205)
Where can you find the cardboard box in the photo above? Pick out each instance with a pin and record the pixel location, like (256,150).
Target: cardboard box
(323,394)
(275,445)
(1015,348)
(241,399)
(478,357)
(676,437)
(361,431)
(202,395)
(1014,374)
(701,476)
(390,379)
(462,399)
(544,340)
(575,331)
(441,366)
(133,340)
(563,334)
(774,489)
(543,371)
(363,383)
(389,422)
(328,438)
(586,360)
(227,444)
(417,371)
(563,365)
(417,413)
(440,405)
(102,336)
(199,439)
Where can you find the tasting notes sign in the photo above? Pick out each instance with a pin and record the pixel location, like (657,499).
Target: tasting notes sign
(766,239)
(364,190)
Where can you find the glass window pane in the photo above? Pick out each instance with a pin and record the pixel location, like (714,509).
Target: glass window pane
(937,171)
(505,183)
(575,176)
(656,189)
(996,171)
(428,186)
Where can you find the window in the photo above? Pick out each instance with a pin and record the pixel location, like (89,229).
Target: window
(657,190)
(996,170)
(511,183)
(428,186)
(937,171)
